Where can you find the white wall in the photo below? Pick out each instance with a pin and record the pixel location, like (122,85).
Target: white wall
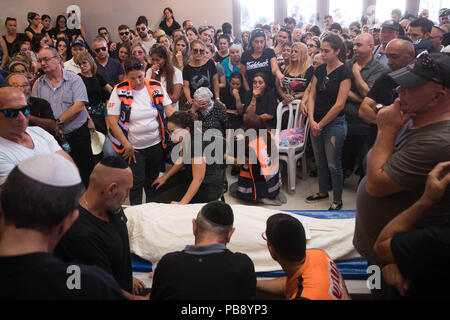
(96,13)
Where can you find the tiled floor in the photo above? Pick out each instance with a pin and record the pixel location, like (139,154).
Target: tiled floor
(305,188)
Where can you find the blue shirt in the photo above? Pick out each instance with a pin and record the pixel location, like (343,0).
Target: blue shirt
(71,89)
(226,66)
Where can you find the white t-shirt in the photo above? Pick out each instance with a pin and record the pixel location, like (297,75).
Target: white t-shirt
(177,79)
(11,153)
(144,123)
(71,66)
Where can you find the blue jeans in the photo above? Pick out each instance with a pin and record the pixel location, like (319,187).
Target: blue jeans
(328,154)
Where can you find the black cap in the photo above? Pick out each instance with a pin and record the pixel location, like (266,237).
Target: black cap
(219,213)
(444,12)
(434,67)
(391,24)
(78,42)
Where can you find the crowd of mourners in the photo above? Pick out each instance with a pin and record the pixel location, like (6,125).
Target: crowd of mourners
(374,97)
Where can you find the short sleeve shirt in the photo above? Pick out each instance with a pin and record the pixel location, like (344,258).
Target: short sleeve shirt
(417,152)
(177,79)
(327,87)
(71,89)
(199,77)
(261,64)
(111,71)
(144,125)
(11,153)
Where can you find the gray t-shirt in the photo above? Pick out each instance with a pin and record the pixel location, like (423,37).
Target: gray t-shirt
(418,151)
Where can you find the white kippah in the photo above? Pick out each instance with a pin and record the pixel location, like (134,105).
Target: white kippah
(51,169)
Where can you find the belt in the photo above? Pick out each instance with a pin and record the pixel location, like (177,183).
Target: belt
(74,132)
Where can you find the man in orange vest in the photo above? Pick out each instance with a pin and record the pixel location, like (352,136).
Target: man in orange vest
(310,274)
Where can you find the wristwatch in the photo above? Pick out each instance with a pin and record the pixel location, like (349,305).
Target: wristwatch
(378,107)
(59,122)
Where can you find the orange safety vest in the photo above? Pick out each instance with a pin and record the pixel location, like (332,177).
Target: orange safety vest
(248,187)
(125,93)
(317,279)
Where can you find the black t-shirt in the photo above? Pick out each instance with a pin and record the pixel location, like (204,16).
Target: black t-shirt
(383,92)
(19,37)
(228,99)
(41,276)
(262,64)
(199,77)
(40,108)
(327,89)
(169,30)
(423,256)
(94,88)
(93,241)
(298,83)
(216,276)
(218,58)
(111,71)
(266,104)
(213,173)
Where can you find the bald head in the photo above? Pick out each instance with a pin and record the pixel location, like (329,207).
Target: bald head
(11,98)
(400,53)
(363,47)
(103,176)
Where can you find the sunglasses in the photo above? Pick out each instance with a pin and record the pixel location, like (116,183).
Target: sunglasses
(135,53)
(323,86)
(198,51)
(124,33)
(104,33)
(13,113)
(427,62)
(100,49)
(141,29)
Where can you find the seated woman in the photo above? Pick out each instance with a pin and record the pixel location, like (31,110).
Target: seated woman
(262,101)
(298,74)
(259,178)
(233,96)
(199,182)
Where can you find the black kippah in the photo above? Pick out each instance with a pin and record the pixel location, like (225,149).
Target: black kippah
(219,213)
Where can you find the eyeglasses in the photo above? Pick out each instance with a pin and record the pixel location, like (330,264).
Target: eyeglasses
(104,33)
(13,113)
(124,33)
(264,236)
(97,50)
(135,53)
(202,51)
(45,59)
(323,86)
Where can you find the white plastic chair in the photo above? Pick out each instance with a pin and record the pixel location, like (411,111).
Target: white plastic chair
(292,154)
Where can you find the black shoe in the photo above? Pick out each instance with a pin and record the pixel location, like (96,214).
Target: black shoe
(336,206)
(225,187)
(235,171)
(316,198)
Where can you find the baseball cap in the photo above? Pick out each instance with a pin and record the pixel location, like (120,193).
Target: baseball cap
(377,26)
(434,67)
(78,42)
(391,24)
(444,12)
